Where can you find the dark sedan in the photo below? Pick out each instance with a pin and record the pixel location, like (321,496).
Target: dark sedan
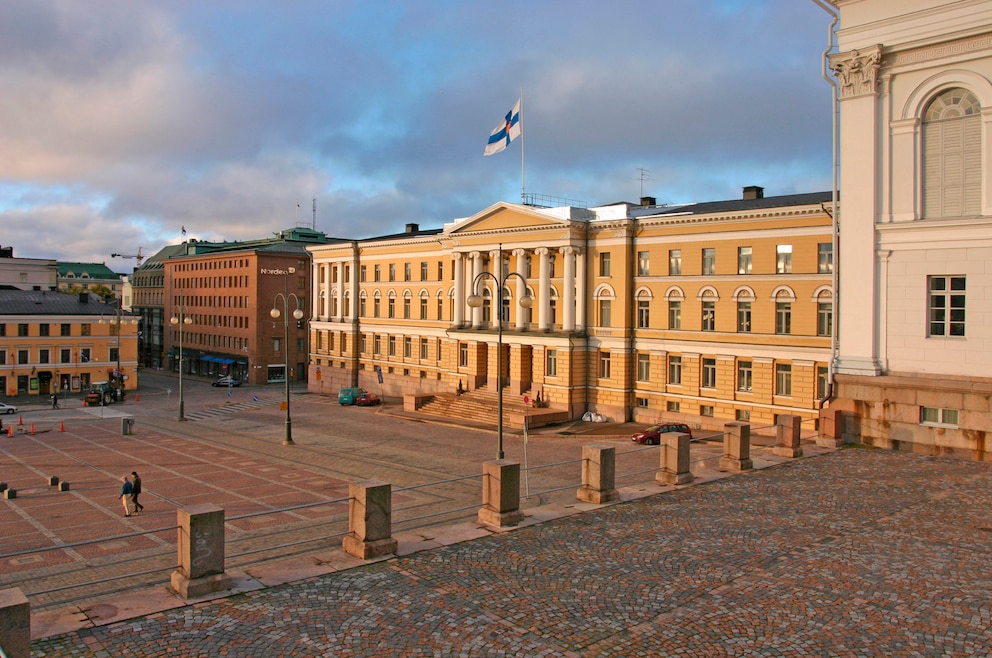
(367,399)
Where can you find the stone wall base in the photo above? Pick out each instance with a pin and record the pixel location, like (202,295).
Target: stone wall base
(500,519)
(591,495)
(366,550)
(197,587)
(666,477)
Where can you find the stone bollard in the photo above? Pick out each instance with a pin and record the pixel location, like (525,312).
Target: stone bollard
(674,459)
(598,474)
(501,494)
(788,432)
(3,486)
(201,552)
(15,623)
(736,447)
(63,486)
(10,493)
(370,513)
(831,433)
(53,480)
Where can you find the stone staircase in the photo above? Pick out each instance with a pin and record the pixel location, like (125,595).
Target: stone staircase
(480,407)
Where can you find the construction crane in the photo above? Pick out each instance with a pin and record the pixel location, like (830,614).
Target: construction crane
(137,256)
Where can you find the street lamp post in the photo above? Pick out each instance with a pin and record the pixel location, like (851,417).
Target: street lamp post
(179,318)
(475,301)
(298,314)
(118,322)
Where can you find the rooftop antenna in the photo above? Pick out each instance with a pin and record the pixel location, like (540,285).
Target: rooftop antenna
(643,177)
(314,214)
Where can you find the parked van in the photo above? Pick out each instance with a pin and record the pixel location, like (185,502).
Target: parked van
(348,395)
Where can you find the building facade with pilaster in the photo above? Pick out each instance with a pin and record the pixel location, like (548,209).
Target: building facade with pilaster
(703,313)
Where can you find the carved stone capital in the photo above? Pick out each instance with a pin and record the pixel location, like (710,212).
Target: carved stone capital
(857,71)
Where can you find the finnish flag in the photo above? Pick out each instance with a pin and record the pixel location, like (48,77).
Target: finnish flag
(507,131)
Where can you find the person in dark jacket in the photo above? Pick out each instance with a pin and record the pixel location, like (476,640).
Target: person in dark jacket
(135,490)
(127,491)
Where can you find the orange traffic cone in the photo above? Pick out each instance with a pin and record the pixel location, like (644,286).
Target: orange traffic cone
(137,398)
(10,430)
(62,426)
(20,420)
(32,428)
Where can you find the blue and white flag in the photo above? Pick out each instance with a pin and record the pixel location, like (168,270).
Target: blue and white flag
(507,131)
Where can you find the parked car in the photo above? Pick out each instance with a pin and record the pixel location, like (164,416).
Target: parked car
(227,381)
(7,408)
(652,435)
(367,399)
(349,394)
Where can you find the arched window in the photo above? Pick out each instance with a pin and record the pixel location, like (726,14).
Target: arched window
(952,155)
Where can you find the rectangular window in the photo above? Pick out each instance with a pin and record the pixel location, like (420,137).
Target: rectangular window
(824,318)
(947,296)
(378,273)
(825,258)
(642,403)
(604,264)
(745,376)
(361,273)
(604,365)
(744,260)
(440,307)
(361,307)
(744,317)
(440,271)
(392,345)
(675,262)
(43,330)
(675,370)
(437,353)
(709,316)
(551,363)
(643,367)
(743,415)
(709,373)
(423,349)
(783,317)
(43,355)
(22,356)
(822,380)
(423,308)
(643,314)
(406,308)
(407,271)
(376,307)
(643,263)
(22,329)
(462,355)
(377,345)
(392,271)
(675,314)
(407,348)
(783,259)
(709,262)
(66,330)
(423,270)
(65,355)
(604,313)
(673,406)
(84,329)
(943,417)
(706,410)
(783,379)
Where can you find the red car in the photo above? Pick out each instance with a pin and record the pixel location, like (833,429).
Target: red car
(367,399)
(652,435)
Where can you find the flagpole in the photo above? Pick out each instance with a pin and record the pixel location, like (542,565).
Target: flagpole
(523,187)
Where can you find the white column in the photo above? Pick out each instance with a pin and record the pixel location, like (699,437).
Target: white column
(580,294)
(339,316)
(326,292)
(497,298)
(521,312)
(316,293)
(476,270)
(544,290)
(568,289)
(458,263)
(353,298)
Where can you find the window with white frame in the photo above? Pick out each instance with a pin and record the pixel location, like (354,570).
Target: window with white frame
(377,345)
(643,313)
(744,316)
(391,312)
(783,317)
(392,346)
(463,355)
(672,406)
(709,261)
(604,264)
(709,316)
(952,155)
(744,259)
(423,349)
(745,376)
(783,259)
(822,381)
(551,363)
(675,370)
(643,367)
(423,270)
(406,305)
(706,410)
(783,379)
(643,263)
(937,416)
(825,258)
(946,305)
(709,373)
(675,314)
(605,309)
(824,314)
(423,306)
(675,262)
(604,364)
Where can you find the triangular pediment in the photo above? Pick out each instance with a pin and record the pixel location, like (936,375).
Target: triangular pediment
(506,217)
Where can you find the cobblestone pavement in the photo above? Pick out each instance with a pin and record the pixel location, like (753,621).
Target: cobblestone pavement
(854,553)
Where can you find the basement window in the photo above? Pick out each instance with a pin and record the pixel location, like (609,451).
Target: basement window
(938,417)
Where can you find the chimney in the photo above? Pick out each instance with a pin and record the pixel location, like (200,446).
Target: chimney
(649,201)
(752,192)
(412,228)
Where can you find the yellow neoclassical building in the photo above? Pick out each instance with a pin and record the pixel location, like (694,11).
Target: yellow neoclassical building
(704,313)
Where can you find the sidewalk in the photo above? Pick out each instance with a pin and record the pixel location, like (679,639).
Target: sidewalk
(851,553)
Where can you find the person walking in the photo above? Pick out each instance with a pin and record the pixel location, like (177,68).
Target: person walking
(135,490)
(55,401)
(127,491)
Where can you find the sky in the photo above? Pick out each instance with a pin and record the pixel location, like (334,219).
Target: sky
(123,122)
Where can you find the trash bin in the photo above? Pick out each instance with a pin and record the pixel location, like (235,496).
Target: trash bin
(127,425)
